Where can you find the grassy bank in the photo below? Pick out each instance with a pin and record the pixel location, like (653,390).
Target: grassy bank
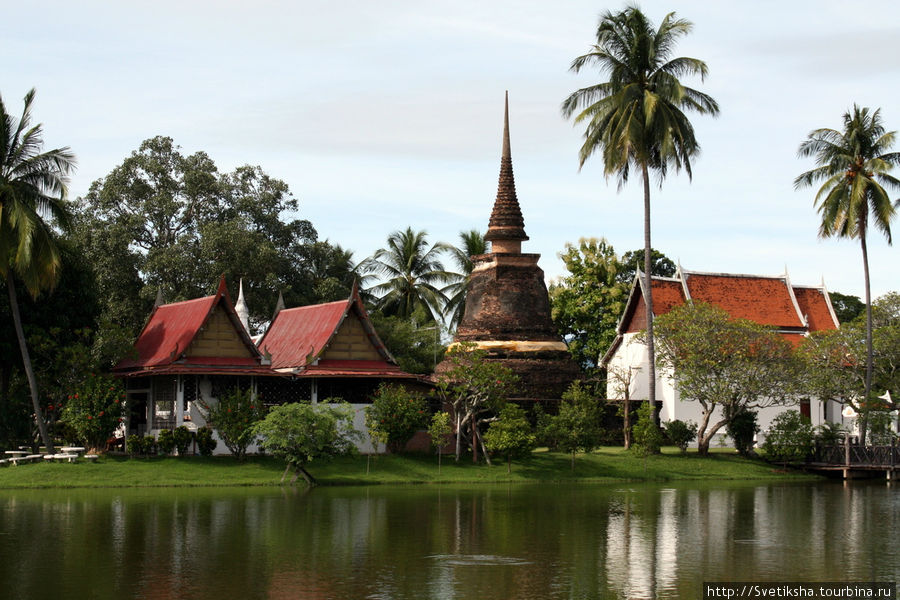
(604,465)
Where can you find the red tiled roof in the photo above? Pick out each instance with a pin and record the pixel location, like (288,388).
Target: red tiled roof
(667,294)
(355,368)
(815,305)
(298,333)
(765,300)
(169,332)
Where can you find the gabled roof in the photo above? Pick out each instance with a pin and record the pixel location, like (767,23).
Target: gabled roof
(298,337)
(172,328)
(773,301)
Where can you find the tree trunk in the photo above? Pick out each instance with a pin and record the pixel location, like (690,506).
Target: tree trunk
(310,480)
(626,418)
(487,457)
(509,463)
(26,361)
(704,440)
(458,436)
(864,414)
(648,298)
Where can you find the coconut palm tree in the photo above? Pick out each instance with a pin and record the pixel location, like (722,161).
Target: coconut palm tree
(412,273)
(854,168)
(32,199)
(636,118)
(472,243)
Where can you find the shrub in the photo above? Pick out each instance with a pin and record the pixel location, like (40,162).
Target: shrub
(134,445)
(742,428)
(166,441)
(681,433)
(438,430)
(183,438)
(789,438)
(829,433)
(148,445)
(395,415)
(206,443)
(577,426)
(647,436)
(879,424)
(510,434)
(94,410)
(234,416)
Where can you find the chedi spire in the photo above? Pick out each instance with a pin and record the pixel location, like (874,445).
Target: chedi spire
(506,228)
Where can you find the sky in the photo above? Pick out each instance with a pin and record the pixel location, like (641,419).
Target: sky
(383,115)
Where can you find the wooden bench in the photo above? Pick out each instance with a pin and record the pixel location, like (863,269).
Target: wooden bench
(92,457)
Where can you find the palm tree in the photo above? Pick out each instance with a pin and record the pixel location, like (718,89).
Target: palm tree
(32,197)
(472,243)
(636,118)
(412,274)
(854,168)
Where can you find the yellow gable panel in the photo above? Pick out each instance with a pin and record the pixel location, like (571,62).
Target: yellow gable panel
(351,342)
(218,338)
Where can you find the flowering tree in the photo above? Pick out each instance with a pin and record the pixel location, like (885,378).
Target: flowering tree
(234,416)
(95,410)
(395,415)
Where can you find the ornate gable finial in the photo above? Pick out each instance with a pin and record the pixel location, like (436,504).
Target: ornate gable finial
(506,228)
(279,305)
(240,307)
(159,298)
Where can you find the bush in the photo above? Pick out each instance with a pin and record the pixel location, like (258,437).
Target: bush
(879,424)
(577,427)
(742,428)
(166,441)
(647,436)
(395,415)
(206,443)
(234,416)
(510,434)
(789,439)
(680,433)
(134,445)
(183,438)
(94,410)
(829,433)
(148,445)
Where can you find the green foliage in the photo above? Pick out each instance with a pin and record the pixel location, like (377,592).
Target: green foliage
(474,386)
(206,442)
(233,417)
(577,427)
(438,430)
(95,410)
(472,243)
(510,434)
(681,433)
(846,307)
(183,439)
(148,445)
(718,361)
(395,415)
(413,341)
(587,303)
(166,441)
(647,436)
(302,433)
(134,445)
(412,275)
(633,261)
(880,430)
(742,427)
(544,430)
(789,438)
(829,433)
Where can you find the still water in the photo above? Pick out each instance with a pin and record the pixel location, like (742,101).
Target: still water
(485,542)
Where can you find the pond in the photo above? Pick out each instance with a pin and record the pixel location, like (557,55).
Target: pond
(527,541)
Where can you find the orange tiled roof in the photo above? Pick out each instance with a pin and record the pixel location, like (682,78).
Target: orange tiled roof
(816,306)
(765,300)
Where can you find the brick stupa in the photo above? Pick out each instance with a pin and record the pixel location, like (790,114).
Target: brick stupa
(507,305)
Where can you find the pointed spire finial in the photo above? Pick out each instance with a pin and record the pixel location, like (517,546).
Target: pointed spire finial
(506,229)
(240,307)
(279,306)
(159,298)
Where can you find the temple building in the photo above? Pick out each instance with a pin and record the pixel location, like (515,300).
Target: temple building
(507,305)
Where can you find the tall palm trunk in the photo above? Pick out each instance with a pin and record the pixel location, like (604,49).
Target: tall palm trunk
(26,360)
(648,297)
(864,414)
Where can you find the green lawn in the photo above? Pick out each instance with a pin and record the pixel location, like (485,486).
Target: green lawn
(604,465)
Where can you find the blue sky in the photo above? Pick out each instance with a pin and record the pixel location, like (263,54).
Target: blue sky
(381,115)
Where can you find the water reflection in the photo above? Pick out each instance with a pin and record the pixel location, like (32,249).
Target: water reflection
(441,542)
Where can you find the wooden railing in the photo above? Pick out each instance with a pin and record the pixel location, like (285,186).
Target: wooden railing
(855,454)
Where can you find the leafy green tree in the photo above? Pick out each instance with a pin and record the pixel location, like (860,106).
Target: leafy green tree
(412,273)
(636,118)
(846,307)
(301,433)
(94,410)
(789,438)
(681,433)
(720,362)
(577,427)
(587,303)
(395,415)
(472,243)
(438,430)
(742,428)
(476,388)
(510,434)
(32,200)
(633,260)
(648,437)
(233,417)
(414,341)
(854,168)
